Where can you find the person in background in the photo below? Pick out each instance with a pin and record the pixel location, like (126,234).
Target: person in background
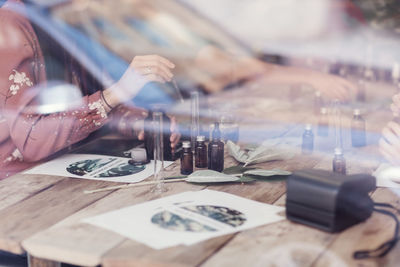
(26,136)
(389,144)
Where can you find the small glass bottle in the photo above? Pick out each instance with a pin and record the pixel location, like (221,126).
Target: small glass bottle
(216,151)
(318,102)
(308,140)
(358,138)
(186,158)
(339,162)
(201,152)
(323,123)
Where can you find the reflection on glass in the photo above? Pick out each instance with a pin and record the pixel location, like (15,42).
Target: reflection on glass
(158,153)
(194,127)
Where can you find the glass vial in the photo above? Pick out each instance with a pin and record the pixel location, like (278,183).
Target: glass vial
(307,146)
(229,129)
(323,123)
(318,102)
(186,158)
(339,162)
(201,152)
(216,151)
(158,153)
(358,138)
(194,126)
(166,134)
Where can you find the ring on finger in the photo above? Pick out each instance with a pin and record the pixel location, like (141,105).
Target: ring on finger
(148,69)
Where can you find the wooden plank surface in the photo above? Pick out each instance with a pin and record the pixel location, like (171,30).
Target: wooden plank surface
(367,235)
(21,186)
(42,210)
(82,244)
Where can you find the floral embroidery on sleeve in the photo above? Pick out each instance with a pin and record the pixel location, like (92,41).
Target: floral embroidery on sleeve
(19,79)
(14,156)
(97,105)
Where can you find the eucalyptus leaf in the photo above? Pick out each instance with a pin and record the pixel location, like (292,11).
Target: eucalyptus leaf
(272,150)
(236,170)
(267,173)
(235,151)
(246,179)
(210,176)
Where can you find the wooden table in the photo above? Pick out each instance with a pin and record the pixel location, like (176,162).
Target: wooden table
(41,215)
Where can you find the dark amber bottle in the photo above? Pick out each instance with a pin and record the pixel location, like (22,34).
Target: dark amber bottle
(216,151)
(339,162)
(186,158)
(201,152)
(358,138)
(307,145)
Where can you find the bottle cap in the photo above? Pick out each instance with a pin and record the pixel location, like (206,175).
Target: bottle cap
(200,138)
(338,151)
(324,111)
(186,144)
(308,127)
(356,112)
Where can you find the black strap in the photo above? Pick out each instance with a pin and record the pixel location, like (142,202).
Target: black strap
(385,248)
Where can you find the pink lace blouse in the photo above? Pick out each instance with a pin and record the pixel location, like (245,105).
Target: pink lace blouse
(26,137)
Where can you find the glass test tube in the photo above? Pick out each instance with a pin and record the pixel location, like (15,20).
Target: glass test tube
(158,153)
(195,125)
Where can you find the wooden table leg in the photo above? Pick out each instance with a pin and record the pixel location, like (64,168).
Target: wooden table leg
(37,262)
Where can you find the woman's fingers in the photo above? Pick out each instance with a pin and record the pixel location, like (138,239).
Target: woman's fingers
(153,64)
(389,151)
(155,58)
(151,67)
(175,135)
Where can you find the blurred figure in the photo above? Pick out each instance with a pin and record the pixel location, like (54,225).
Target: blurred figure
(26,135)
(221,66)
(389,144)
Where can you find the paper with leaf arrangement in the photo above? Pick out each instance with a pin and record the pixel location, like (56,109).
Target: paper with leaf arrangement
(187,218)
(96,167)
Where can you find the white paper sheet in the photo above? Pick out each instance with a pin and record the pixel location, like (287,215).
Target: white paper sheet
(96,167)
(187,218)
(387,176)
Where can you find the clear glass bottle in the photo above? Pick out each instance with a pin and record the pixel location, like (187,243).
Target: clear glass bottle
(323,123)
(229,128)
(158,154)
(318,102)
(201,152)
(358,138)
(307,146)
(186,158)
(195,122)
(166,134)
(216,151)
(339,162)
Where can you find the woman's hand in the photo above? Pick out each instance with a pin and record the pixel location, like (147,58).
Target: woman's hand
(175,134)
(389,144)
(129,121)
(334,87)
(395,106)
(143,69)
